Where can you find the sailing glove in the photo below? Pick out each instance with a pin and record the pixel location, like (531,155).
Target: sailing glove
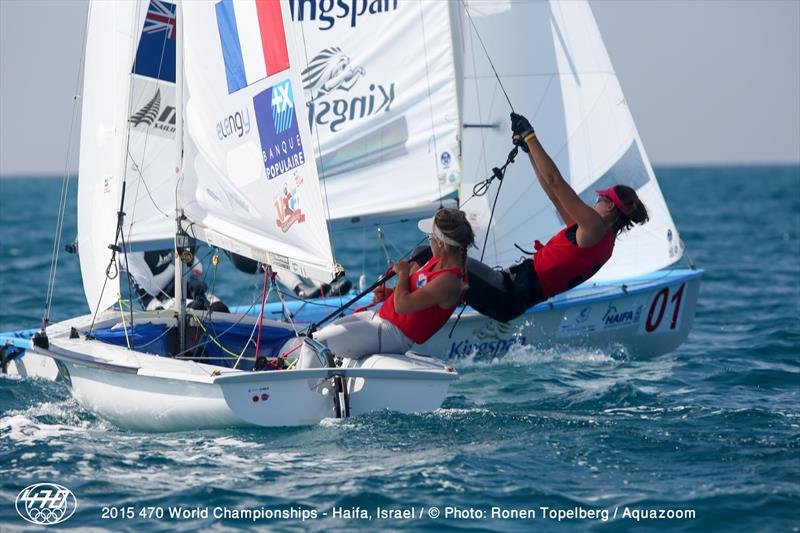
(521,128)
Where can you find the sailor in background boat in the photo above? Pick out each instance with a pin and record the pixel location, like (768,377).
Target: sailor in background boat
(570,257)
(417,308)
(302,287)
(153,274)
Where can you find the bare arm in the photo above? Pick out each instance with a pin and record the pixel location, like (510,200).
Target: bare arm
(565,216)
(571,208)
(444,291)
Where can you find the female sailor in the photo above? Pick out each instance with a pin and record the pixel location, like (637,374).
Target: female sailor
(417,308)
(570,257)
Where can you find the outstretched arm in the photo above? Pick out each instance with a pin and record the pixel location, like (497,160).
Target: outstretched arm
(569,205)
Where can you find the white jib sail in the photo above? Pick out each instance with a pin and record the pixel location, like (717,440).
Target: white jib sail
(557,72)
(382,103)
(110,48)
(250,180)
(127,135)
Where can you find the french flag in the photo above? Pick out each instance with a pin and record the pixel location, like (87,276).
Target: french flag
(253,40)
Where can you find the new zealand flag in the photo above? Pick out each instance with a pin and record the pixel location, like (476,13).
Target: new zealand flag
(155,57)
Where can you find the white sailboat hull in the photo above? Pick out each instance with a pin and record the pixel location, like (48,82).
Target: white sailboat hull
(272,399)
(644,319)
(145,392)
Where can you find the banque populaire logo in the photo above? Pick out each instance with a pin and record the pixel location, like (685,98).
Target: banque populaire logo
(277,127)
(46,504)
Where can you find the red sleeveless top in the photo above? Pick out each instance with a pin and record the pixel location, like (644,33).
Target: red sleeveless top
(422,325)
(561,264)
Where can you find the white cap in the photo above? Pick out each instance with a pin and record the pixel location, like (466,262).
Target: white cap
(426,225)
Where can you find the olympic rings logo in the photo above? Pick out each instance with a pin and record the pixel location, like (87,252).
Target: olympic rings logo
(46,504)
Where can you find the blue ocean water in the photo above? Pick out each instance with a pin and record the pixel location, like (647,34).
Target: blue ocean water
(710,431)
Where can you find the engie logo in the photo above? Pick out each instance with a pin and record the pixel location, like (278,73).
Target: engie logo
(277,126)
(46,504)
(287,206)
(236,124)
(330,71)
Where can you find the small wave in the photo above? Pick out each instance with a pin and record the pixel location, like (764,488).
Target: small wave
(45,422)
(524,355)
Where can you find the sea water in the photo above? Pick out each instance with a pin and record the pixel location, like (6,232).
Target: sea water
(704,438)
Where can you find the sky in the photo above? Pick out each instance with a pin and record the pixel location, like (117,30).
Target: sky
(708,82)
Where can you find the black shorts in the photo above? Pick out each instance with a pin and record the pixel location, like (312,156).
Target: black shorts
(503,294)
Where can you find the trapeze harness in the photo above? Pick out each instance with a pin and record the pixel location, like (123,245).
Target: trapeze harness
(556,267)
(422,325)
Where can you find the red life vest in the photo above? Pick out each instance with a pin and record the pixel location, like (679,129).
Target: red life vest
(422,325)
(561,264)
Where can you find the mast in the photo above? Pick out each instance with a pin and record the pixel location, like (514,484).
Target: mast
(180,297)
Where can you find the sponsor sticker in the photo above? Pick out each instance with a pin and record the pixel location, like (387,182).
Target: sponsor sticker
(287,205)
(595,319)
(281,147)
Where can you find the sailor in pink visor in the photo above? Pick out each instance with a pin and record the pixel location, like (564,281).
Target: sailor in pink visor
(571,256)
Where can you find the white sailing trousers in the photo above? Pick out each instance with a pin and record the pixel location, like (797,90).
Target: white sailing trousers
(356,336)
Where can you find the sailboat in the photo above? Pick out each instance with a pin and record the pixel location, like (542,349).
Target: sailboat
(432,131)
(395,143)
(237,65)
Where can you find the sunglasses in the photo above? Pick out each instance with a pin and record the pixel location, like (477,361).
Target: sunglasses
(603,198)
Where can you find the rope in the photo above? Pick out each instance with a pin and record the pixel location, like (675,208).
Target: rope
(261,314)
(479,190)
(124,327)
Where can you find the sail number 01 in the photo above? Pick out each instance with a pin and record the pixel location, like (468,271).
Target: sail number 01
(659,306)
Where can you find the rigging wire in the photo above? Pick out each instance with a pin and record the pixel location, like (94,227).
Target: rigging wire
(430,105)
(141,181)
(486,52)
(65,183)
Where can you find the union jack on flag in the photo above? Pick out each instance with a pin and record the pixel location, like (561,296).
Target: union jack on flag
(155,57)
(160,17)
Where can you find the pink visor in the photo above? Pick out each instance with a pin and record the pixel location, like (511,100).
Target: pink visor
(611,193)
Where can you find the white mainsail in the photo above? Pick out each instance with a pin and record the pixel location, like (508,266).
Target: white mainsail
(250,181)
(555,68)
(383,105)
(127,135)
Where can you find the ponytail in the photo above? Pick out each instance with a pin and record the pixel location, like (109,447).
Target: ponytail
(635,211)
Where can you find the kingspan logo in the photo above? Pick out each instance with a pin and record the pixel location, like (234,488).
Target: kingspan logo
(329,12)
(46,504)
(331,70)
(151,115)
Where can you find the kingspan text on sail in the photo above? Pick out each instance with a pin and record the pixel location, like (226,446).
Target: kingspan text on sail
(329,12)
